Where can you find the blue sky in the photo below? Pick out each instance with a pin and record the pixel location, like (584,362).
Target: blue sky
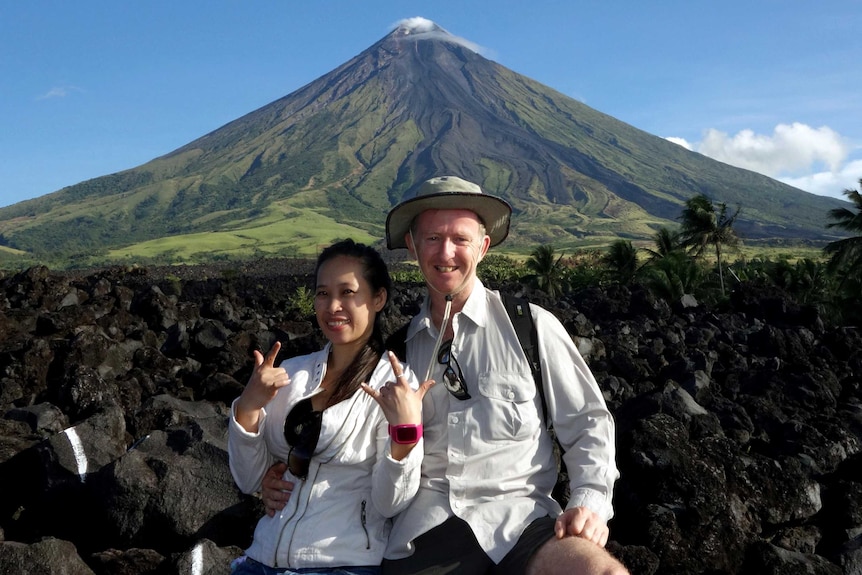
(93,87)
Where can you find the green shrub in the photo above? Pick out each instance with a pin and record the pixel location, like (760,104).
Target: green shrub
(407,276)
(497,268)
(302,301)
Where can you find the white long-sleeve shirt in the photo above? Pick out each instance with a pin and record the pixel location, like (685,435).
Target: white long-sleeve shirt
(340,515)
(489,459)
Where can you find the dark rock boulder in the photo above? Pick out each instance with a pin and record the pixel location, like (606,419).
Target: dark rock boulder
(49,555)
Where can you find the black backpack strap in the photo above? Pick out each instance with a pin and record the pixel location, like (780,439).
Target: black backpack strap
(522,320)
(397,342)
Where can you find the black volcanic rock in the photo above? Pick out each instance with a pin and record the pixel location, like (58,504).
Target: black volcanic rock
(739,428)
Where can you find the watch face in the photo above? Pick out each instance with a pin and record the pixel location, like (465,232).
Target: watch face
(405,433)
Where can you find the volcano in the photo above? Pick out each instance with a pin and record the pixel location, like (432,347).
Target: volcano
(335,155)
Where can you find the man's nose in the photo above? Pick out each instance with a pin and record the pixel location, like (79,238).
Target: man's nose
(448,247)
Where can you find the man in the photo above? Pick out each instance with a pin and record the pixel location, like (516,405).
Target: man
(484,504)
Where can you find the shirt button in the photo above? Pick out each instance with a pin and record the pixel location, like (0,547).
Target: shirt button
(511,395)
(453,419)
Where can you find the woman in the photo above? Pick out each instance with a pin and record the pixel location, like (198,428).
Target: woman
(317,412)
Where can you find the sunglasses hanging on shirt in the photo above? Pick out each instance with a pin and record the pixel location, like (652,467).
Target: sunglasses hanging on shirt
(453,379)
(302,431)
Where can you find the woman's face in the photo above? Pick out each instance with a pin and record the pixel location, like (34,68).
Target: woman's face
(344,303)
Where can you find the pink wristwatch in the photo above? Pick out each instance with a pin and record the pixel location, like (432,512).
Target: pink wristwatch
(408,433)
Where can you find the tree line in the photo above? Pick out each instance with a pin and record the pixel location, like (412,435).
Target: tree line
(693,260)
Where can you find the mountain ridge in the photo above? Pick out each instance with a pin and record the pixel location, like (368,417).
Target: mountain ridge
(344,148)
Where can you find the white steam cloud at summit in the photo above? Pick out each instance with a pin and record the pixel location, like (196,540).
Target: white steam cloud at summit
(811,159)
(424,29)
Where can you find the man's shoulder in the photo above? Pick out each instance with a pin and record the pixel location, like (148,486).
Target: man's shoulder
(514,297)
(545,321)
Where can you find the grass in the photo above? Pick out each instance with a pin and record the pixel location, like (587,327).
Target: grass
(300,235)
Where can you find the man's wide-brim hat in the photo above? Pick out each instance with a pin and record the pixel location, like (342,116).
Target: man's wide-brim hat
(449,193)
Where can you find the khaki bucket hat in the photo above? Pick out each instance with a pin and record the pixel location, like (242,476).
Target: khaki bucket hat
(449,193)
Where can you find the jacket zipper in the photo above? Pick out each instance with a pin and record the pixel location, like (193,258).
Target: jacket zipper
(365,527)
(295,493)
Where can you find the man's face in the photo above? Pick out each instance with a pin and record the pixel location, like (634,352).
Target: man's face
(448,244)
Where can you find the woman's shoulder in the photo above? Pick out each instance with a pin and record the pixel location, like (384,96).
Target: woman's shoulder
(305,359)
(304,367)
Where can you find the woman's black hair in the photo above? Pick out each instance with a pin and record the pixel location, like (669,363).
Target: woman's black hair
(376,273)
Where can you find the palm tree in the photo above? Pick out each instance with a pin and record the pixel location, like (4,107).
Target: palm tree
(704,225)
(547,270)
(622,259)
(810,281)
(666,242)
(673,276)
(846,254)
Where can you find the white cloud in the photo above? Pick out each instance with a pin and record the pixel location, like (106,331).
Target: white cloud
(58,92)
(680,141)
(418,28)
(829,183)
(811,159)
(790,149)
(416,25)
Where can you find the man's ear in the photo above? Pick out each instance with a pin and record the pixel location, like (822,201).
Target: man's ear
(483,249)
(408,239)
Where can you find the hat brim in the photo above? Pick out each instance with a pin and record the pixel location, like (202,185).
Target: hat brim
(494,212)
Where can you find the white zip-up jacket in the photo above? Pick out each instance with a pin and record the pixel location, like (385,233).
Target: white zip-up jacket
(340,515)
